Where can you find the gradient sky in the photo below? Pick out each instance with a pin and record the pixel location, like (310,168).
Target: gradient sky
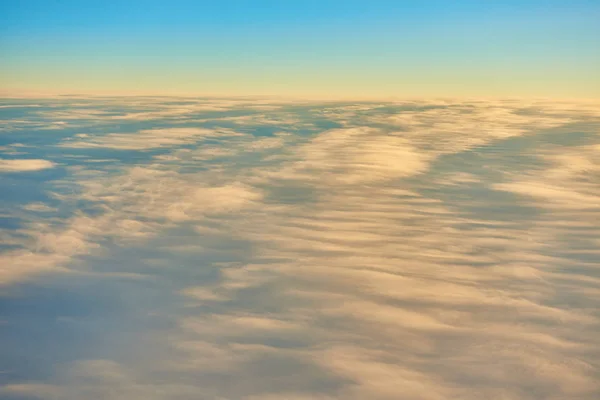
(306,48)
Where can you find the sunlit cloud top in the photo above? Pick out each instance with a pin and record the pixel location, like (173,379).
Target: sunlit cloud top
(158,248)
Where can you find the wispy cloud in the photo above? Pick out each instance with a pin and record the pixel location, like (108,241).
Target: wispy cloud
(413,252)
(24,165)
(146,139)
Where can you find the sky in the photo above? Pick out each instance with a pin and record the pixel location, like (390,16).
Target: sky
(184,217)
(324,48)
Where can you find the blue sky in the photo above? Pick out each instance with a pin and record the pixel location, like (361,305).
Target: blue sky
(345,48)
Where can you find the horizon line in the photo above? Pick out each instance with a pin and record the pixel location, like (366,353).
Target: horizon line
(32,94)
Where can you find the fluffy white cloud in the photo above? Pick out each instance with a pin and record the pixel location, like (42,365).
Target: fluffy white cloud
(25,165)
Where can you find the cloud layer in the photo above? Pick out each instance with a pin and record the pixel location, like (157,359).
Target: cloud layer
(414,250)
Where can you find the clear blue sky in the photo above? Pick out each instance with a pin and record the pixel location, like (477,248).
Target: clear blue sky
(326,47)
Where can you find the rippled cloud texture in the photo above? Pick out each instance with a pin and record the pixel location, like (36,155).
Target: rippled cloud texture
(172,248)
